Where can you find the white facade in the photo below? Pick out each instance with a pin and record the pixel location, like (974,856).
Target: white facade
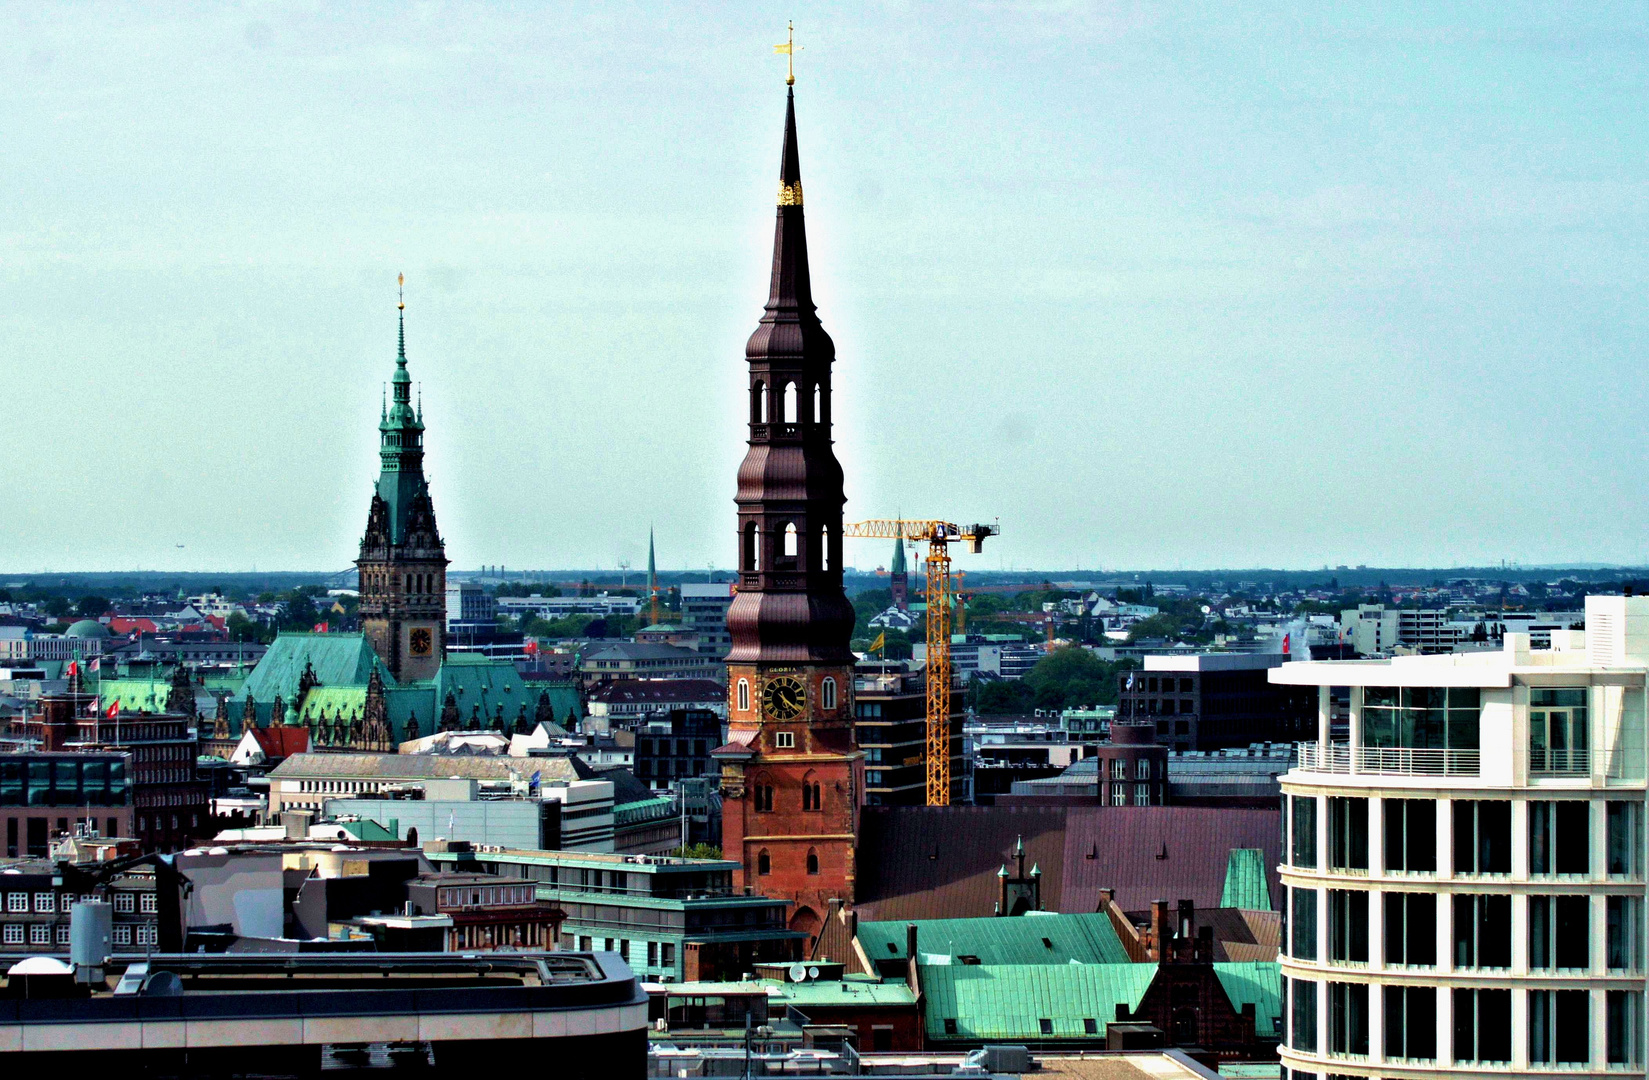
(1464,877)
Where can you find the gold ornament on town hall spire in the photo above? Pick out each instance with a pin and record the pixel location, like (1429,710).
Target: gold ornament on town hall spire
(401,290)
(788,48)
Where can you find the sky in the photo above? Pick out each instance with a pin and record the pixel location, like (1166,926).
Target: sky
(1166,286)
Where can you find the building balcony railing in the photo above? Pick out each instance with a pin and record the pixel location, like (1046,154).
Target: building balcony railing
(1560,762)
(1387,760)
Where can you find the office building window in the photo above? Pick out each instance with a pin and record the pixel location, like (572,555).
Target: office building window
(1482,1025)
(63,934)
(1559,837)
(1348,1018)
(1421,718)
(123,935)
(1623,932)
(1410,928)
(1303,1016)
(45,902)
(1348,834)
(1119,795)
(148,903)
(1348,926)
(1482,836)
(1559,932)
(1411,835)
(1482,931)
(1624,828)
(14,934)
(1142,794)
(1142,769)
(1559,1031)
(1304,829)
(1410,1022)
(1303,924)
(1623,1027)
(1557,730)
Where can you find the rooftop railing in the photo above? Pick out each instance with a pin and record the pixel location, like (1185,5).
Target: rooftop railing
(1387,760)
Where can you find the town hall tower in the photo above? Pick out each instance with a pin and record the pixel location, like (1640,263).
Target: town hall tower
(403,563)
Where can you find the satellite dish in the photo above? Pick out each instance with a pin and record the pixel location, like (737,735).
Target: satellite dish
(813,973)
(798,973)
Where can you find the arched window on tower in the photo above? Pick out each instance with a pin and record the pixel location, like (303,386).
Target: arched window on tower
(812,860)
(790,540)
(758,402)
(827,692)
(752,547)
(824,548)
(790,403)
(764,864)
(744,695)
(817,416)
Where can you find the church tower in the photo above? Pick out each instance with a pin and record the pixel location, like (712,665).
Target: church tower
(899,577)
(403,563)
(791,777)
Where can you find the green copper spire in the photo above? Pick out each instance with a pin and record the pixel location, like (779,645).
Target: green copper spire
(897,566)
(401,438)
(652,566)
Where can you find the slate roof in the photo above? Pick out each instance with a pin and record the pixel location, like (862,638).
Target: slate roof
(1009,1001)
(422,767)
(1031,939)
(940,862)
(1258,983)
(1245,881)
(1170,853)
(659,691)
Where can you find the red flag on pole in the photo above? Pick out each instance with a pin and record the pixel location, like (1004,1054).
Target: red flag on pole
(114,709)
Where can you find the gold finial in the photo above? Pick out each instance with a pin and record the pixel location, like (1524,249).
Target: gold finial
(401,290)
(788,48)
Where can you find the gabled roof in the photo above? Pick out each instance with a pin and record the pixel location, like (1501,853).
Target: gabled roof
(1029,939)
(476,680)
(1256,983)
(940,862)
(1150,853)
(1245,881)
(1010,1001)
(338,660)
(281,742)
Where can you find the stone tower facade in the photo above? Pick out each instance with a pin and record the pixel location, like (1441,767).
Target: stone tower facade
(403,563)
(791,777)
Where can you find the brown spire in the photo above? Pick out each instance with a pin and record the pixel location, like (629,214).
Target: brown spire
(790,327)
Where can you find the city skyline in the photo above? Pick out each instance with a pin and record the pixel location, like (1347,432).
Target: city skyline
(1400,338)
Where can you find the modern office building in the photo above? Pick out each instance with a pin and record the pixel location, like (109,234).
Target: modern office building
(890,709)
(704,610)
(1465,873)
(1211,701)
(670,919)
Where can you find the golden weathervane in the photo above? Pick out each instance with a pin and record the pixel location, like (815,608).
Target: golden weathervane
(788,48)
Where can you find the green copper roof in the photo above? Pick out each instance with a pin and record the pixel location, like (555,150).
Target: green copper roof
(830,992)
(1033,939)
(1256,982)
(634,813)
(401,446)
(134,695)
(1245,884)
(897,566)
(338,660)
(475,680)
(1010,1001)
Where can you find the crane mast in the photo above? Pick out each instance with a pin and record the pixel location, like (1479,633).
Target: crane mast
(939,536)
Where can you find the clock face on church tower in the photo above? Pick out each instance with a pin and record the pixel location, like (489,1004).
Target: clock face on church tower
(420,641)
(784,697)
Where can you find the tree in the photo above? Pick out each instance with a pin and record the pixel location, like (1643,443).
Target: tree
(1001,697)
(1074,677)
(57,606)
(698,851)
(90,607)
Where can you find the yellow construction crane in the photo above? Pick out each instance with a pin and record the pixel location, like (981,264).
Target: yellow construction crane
(939,536)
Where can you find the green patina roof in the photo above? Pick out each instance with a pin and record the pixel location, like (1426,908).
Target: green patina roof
(631,813)
(365,829)
(1039,939)
(845,993)
(1245,884)
(897,566)
(1256,982)
(134,695)
(564,699)
(475,680)
(403,703)
(1010,1001)
(338,660)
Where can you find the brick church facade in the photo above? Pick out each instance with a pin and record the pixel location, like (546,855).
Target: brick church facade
(791,776)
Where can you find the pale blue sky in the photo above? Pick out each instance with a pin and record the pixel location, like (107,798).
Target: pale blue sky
(1159,285)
